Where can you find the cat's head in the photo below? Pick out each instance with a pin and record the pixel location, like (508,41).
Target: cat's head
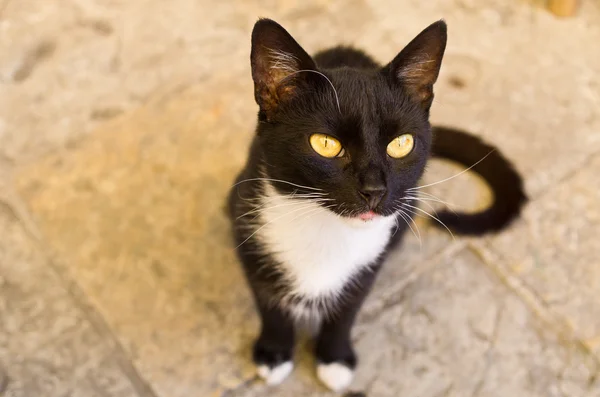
(360,135)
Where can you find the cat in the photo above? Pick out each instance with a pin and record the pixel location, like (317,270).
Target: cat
(331,185)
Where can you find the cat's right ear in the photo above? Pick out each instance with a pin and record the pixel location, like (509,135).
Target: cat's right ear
(276,60)
(417,66)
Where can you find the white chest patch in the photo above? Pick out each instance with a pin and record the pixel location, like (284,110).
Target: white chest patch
(319,251)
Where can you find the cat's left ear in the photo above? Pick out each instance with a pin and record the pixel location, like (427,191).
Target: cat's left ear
(276,60)
(417,66)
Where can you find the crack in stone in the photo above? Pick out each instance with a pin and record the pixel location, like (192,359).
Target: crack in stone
(373,380)
(8,210)
(488,353)
(569,175)
(446,392)
(243,385)
(79,299)
(4,381)
(560,377)
(32,59)
(391,298)
(539,308)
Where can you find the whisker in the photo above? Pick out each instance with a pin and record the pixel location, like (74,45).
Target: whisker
(426,198)
(309,212)
(416,195)
(276,180)
(267,199)
(397,226)
(404,216)
(313,212)
(426,194)
(264,207)
(433,217)
(273,220)
(452,177)
(293,195)
(424,201)
(432,197)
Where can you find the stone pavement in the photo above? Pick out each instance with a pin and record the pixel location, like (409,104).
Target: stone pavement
(122,124)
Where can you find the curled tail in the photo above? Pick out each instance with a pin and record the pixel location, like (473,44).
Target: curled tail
(505,182)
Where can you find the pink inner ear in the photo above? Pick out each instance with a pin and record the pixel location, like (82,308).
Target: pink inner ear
(418,64)
(274,81)
(422,70)
(282,64)
(276,60)
(418,73)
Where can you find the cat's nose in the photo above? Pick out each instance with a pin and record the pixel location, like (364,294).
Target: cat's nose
(373,193)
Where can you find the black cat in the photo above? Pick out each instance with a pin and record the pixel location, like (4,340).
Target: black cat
(330,186)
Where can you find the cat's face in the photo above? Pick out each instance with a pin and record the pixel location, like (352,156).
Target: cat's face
(359,138)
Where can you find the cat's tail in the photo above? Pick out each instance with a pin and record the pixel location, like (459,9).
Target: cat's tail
(504,181)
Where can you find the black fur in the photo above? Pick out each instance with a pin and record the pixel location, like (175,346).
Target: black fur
(376,104)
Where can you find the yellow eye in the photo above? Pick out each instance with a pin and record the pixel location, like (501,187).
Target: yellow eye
(326,146)
(401,146)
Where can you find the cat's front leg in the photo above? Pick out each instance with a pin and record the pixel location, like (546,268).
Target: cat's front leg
(273,350)
(336,359)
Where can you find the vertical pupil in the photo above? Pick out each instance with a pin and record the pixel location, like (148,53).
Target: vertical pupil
(326,141)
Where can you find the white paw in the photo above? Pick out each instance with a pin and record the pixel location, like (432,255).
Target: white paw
(276,375)
(335,376)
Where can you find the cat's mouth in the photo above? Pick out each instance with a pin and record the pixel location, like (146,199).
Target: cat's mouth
(367,216)
(363,215)
(360,219)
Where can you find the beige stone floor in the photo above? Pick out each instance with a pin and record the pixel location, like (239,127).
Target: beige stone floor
(122,123)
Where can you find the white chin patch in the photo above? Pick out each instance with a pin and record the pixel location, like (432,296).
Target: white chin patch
(335,376)
(276,375)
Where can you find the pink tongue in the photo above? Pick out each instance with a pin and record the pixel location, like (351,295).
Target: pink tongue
(367,216)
